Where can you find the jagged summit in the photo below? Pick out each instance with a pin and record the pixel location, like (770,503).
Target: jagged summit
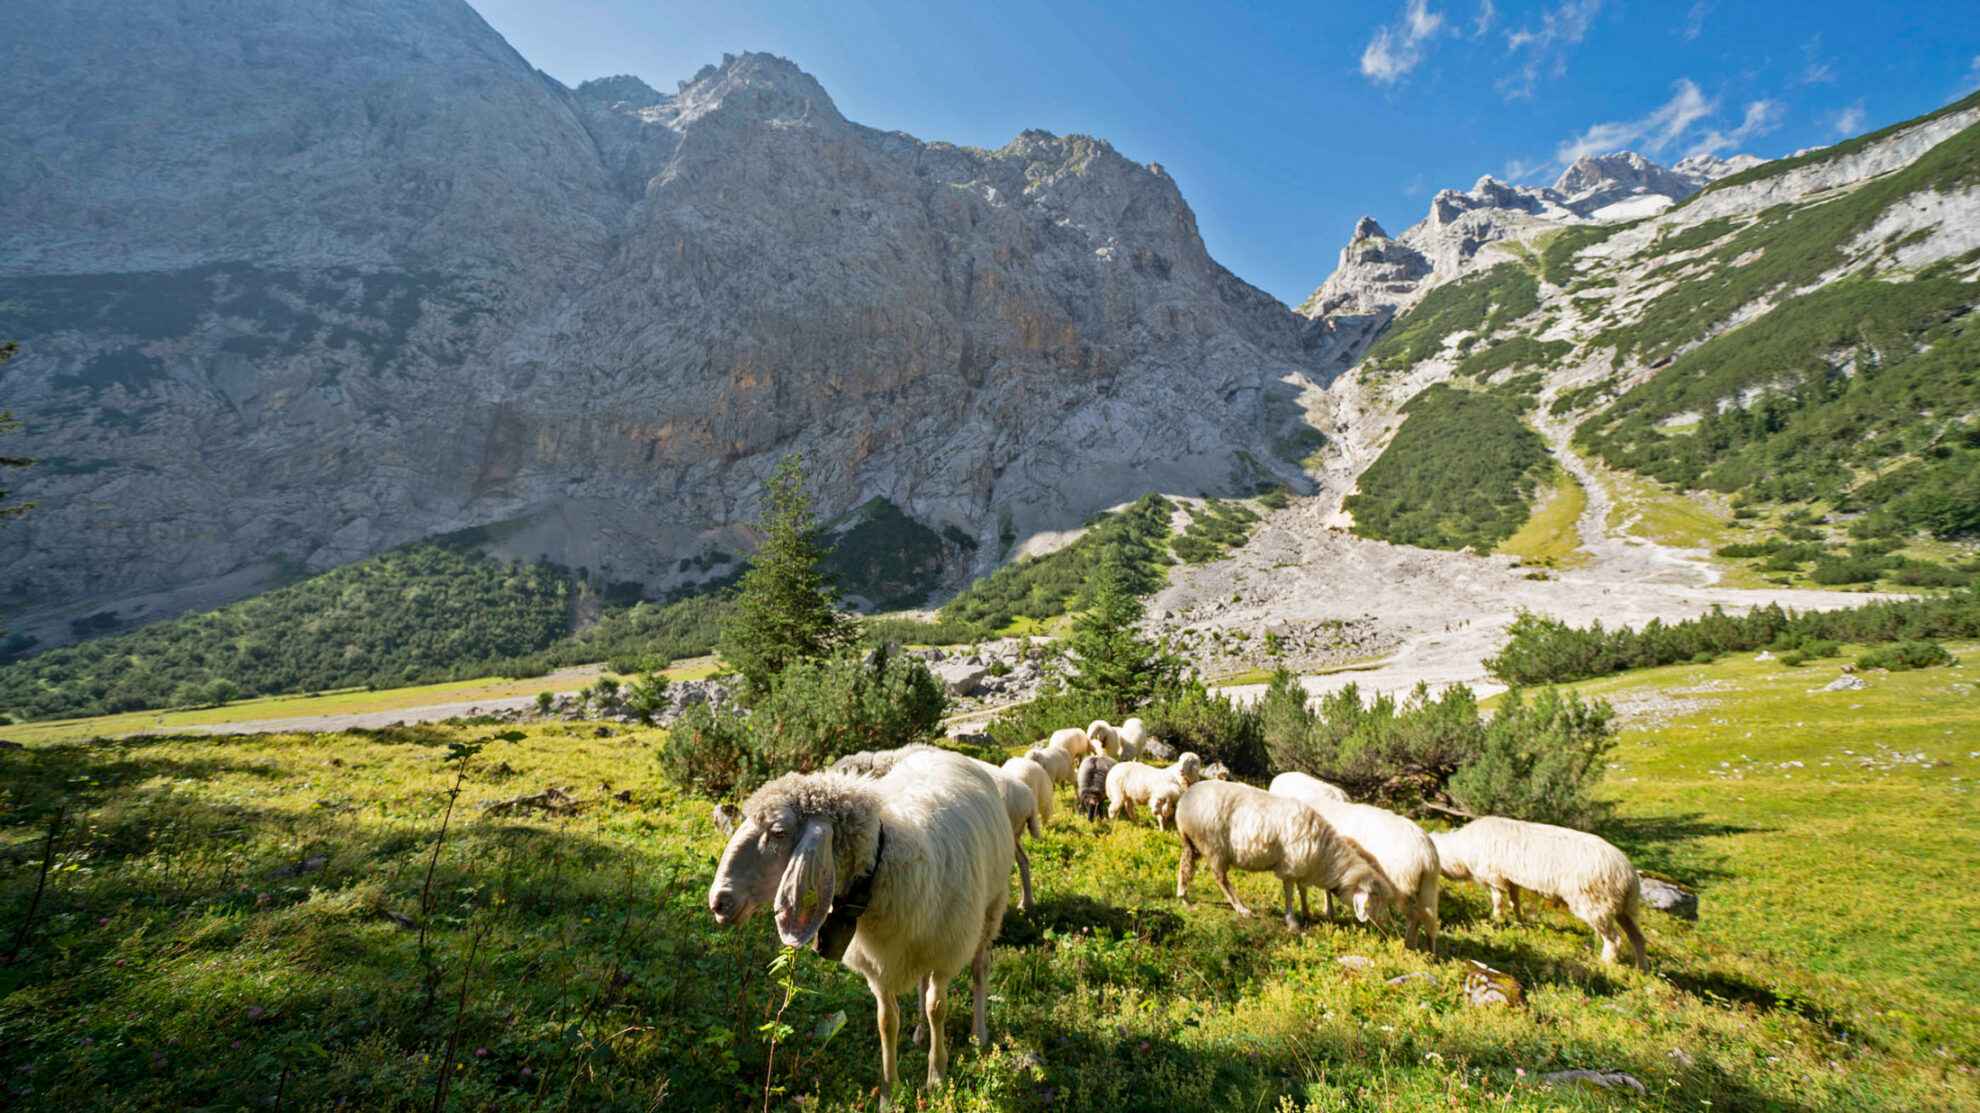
(1367,229)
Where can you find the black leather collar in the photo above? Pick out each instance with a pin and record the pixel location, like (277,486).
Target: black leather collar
(836,933)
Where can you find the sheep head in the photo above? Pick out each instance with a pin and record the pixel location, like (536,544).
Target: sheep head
(788,852)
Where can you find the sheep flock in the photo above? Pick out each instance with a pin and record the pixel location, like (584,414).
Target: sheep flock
(897,863)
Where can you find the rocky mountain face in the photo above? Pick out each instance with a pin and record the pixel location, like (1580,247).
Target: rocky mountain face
(1622,268)
(1378,275)
(298,283)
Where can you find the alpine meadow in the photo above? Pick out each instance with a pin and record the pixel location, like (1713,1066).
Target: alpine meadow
(530,595)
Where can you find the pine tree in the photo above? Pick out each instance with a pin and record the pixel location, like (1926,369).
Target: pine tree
(785,605)
(1115,661)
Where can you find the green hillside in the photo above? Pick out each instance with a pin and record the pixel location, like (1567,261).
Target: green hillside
(1461,471)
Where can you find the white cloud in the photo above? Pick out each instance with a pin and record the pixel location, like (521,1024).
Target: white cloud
(1651,134)
(1694,20)
(1970,84)
(1846,122)
(1815,71)
(1395,50)
(1520,170)
(1414,187)
(1762,117)
(1546,47)
(1483,22)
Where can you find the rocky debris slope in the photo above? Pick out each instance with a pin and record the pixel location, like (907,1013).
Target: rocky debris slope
(347,274)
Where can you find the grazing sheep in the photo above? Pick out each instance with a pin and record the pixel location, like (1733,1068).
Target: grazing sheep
(1134,739)
(1236,825)
(1305,789)
(1104,738)
(1093,784)
(903,878)
(1581,870)
(1022,808)
(1130,783)
(1188,768)
(878,763)
(1399,847)
(1040,782)
(1056,764)
(1072,740)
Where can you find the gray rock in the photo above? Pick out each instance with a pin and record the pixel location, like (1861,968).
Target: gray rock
(1159,750)
(1669,896)
(1355,962)
(1485,986)
(605,344)
(1847,682)
(1612,1081)
(1414,976)
(961,678)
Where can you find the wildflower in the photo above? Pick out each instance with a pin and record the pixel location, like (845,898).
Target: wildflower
(255,1013)
(174,1039)
(103,921)
(87,1042)
(526,1072)
(236,1045)
(120,962)
(1520,1071)
(481,1053)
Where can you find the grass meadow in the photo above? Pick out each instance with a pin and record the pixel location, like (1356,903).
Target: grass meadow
(301,922)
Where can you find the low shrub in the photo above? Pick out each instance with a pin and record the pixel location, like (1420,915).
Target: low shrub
(1906,655)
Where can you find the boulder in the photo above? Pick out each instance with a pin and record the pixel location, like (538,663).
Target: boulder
(961,677)
(1159,750)
(1414,976)
(1612,1081)
(1669,896)
(1355,962)
(1844,683)
(1485,986)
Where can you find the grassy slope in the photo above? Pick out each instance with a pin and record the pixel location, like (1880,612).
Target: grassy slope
(1551,535)
(1833,960)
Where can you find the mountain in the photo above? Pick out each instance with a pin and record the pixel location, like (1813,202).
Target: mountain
(1793,336)
(296,284)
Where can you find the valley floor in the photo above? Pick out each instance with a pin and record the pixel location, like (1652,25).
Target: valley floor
(235,923)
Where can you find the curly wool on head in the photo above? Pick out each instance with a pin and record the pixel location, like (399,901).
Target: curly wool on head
(847,801)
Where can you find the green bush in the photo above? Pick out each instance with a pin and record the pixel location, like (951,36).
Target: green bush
(1540,761)
(1906,655)
(1048,586)
(1793,658)
(816,710)
(1461,471)
(1190,717)
(1031,724)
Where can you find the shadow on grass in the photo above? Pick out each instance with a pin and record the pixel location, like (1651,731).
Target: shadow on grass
(1070,914)
(1664,844)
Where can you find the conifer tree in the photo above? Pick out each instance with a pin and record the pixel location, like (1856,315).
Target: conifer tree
(1115,661)
(786,607)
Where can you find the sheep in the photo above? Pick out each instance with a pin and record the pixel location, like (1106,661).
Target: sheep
(903,879)
(878,763)
(1399,847)
(1093,784)
(1104,738)
(1130,783)
(1134,739)
(1581,870)
(1021,805)
(1072,740)
(1230,824)
(1040,782)
(1306,789)
(1056,764)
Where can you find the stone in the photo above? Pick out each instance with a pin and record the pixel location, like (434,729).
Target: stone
(1844,683)
(1668,896)
(960,677)
(1764,656)
(1159,750)
(1415,976)
(605,346)
(1484,986)
(1355,962)
(1682,1058)
(1612,1081)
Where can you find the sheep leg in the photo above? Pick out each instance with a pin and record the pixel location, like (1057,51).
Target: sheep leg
(1224,882)
(979,987)
(1635,931)
(1305,911)
(1498,903)
(1185,870)
(1519,910)
(1024,877)
(1327,895)
(890,1034)
(1292,921)
(1409,928)
(935,1011)
(920,1021)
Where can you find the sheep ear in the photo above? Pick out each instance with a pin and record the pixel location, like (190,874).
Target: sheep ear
(805,894)
(1361,905)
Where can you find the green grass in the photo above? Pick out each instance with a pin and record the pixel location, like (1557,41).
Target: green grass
(1551,536)
(1460,472)
(1831,966)
(1483,301)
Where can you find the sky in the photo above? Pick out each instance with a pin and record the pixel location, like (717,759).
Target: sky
(1284,123)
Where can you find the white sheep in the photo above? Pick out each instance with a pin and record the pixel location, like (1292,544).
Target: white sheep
(903,878)
(1130,783)
(1021,805)
(1093,784)
(1303,788)
(1072,740)
(1104,738)
(1134,739)
(1040,782)
(1583,871)
(1055,762)
(1399,847)
(1235,825)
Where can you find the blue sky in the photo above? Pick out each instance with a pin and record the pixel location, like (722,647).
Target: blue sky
(1284,123)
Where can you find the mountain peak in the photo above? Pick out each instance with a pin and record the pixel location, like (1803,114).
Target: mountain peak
(763,85)
(1367,229)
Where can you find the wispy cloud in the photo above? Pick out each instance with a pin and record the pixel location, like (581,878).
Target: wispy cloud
(1762,117)
(1970,84)
(1520,170)
(1845,122)
(1694,20)
(1651,134)
(1399,48)
(1483,22)
(1414,188)
(1544,49)
(1814,70)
